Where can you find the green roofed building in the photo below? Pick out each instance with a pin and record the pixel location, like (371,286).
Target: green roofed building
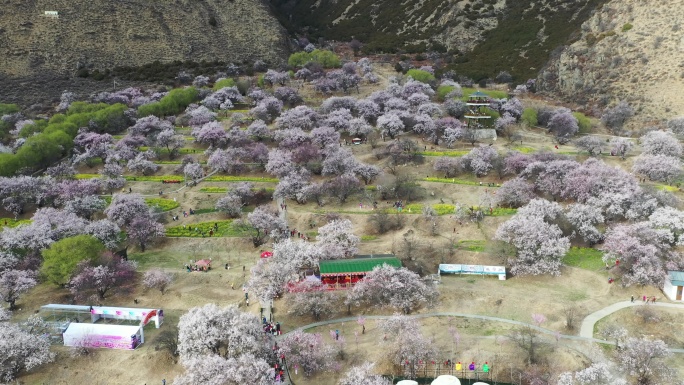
(346,272)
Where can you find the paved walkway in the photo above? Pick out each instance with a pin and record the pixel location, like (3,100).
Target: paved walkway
(587,328)
(582,337)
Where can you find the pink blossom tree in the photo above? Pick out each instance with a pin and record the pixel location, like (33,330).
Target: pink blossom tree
(302,117)
(126,207)
(157,279)
(310,298)
(367,172)
(339,162)
(259,130)
(211,133)
(621,146)
(308,351)
(390,124)
(111,273)
(210,331)
(448,166)
(343,187)
(645,360)
(644,253)
(406,341)
(660,168)
(171,141)
(397,288)
(363,374)
(515,193)
(336,239)
(280,163)
(230,204)
(14,283)
(661,143)
(21,351)
(563,125)
(144,230)
(539,243)
(105,231)
(480,160)
(215,370)
(142,165)
(265,222)
(585,218)
(598,373)
(591,144)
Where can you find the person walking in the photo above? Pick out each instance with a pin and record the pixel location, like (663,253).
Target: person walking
(632,299)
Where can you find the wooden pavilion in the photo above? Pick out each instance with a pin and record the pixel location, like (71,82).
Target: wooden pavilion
(344,273)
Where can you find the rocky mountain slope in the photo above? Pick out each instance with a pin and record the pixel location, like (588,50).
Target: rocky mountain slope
(629,50)
(483,36)
(104,34)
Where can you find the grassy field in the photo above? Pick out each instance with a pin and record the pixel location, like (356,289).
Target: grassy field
(585,258)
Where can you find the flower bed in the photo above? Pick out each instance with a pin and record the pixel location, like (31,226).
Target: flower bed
(227,228)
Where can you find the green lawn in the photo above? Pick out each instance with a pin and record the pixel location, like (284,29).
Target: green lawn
(585,258)
(471,245)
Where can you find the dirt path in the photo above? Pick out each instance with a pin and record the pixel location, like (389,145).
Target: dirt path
(584,335)
(587,328)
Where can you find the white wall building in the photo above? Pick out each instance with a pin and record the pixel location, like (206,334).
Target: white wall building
(674,285)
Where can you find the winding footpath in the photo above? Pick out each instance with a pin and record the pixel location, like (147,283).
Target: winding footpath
(586,330)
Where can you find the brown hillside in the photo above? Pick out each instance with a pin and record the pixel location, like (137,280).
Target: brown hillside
(103,34)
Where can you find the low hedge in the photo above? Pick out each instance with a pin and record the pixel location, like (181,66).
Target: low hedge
(11,222)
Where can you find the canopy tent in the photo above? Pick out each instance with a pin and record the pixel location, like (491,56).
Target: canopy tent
(103,336)
(480,383)
(499,271)
(446,380)
(143,316)
(266,254)
(407,382)
(203,262)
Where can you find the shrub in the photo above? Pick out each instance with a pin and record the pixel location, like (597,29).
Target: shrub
(223,83)
(583,122)
(326,59)
(173,103)
(420,75)
(529,116)
(627,27)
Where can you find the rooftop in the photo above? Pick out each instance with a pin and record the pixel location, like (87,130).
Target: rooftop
(676,277)
(362,264)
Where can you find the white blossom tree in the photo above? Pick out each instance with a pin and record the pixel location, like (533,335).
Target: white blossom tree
(661,143)
(21,350)
(310,298)
(266,222)
(644,359)
(215,370)
(336,240)
(407,344)
(308,351)
(597,373)
(157,279)
(398,288)
(539,243)
(223,332)
(363,374)
(13,283)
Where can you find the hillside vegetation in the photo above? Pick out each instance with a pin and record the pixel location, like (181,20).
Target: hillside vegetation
(484,36)
(104,34)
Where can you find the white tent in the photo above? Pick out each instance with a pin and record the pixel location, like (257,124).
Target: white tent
(446,380)
(407,382)
(480,383)
(103,336)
